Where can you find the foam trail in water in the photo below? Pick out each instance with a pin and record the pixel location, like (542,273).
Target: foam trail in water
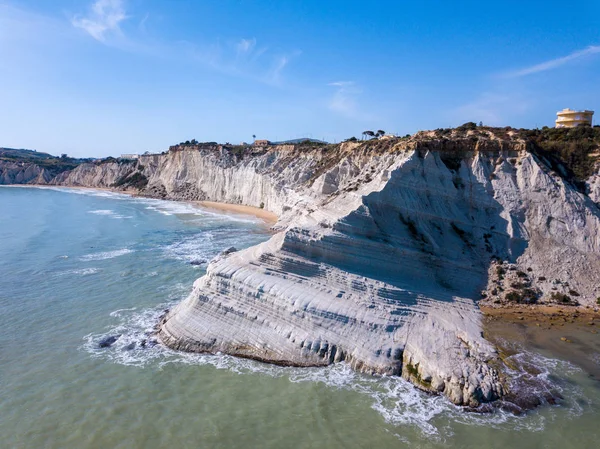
(81,272)
(196,248)
(118,312)
(106,255)
(102,212)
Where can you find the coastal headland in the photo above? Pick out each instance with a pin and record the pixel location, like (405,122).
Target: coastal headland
(383,248)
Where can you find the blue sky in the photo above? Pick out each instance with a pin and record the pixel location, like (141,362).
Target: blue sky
(104,77)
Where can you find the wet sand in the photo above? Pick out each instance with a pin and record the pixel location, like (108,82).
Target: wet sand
(568,333)
(265,215)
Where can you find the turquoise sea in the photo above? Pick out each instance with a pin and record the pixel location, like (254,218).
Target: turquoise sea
(77,266)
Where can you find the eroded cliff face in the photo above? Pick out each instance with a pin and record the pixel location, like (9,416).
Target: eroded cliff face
(381,253)
(104,175)
(23,173)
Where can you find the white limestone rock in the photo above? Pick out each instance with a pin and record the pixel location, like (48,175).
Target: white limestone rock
(380,253)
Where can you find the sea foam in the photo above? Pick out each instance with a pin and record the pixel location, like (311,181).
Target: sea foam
(106,255)
(398,402)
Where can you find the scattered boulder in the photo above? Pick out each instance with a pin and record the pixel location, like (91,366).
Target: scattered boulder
(231,249)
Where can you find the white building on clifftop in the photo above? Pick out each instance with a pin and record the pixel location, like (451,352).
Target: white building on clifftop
(568,118)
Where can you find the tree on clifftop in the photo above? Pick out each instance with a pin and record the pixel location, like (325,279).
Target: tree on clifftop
(380,133)
(371,134)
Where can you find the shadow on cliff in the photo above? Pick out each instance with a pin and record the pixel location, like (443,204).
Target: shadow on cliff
(433,230)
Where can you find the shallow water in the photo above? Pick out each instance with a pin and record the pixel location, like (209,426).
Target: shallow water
(77,266)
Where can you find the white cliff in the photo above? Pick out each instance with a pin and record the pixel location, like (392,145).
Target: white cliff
(381,253)
(104,175)
(380,259)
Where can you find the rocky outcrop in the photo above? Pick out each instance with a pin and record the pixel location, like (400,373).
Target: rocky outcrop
(381,259)
(381,252)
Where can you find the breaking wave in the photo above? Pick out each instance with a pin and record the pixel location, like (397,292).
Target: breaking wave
(108,213)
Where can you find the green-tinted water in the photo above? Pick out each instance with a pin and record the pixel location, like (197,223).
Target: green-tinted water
(75,268)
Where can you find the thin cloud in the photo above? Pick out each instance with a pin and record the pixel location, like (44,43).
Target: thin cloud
(275,74)
(342,84)
(244,57)
(142,25)
(343,101)
(104,18)
(554,63)
(245,46)
(247,51)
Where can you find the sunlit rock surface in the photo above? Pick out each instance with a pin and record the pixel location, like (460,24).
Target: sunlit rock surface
(380,262)
(381,252)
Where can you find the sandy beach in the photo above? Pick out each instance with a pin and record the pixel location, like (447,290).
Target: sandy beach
(268,217)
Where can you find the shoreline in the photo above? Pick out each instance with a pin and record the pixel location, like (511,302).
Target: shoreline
(269,218)
(570,335)
(46,186)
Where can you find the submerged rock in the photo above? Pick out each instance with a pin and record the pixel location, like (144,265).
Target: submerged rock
(231,249)
(107,342)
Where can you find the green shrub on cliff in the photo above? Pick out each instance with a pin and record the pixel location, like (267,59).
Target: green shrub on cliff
(574,148)
(469,126)
(561,298)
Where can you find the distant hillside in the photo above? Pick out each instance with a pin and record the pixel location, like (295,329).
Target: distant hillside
(40,158)
(14,153)
(20,166)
